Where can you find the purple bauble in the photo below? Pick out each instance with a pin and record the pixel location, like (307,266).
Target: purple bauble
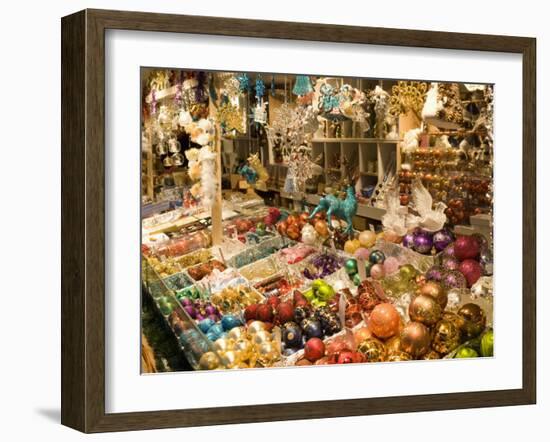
(408,240)
(450,263)
(423,242)
(191,311)
(435,273)
(453,279)
(186,301)
(449,251)
(210,310)
(442,239)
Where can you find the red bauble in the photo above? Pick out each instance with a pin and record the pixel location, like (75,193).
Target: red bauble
(265,313)
(273,301)
(346,357)
(314,349)
(466,247)
(471,269)
(285,312)
(251,312)
(299,299)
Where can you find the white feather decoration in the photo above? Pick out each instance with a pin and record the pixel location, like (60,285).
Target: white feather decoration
(207,160)
(431,106)
(430,219)
(393,220)
(410,140)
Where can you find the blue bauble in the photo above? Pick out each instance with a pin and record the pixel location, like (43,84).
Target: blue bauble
(216,329)
(292,335)
(205,325)
(377,257)
(312,328)
(230,321)
(212,336)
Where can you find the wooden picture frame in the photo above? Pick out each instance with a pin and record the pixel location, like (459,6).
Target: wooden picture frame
(83,216)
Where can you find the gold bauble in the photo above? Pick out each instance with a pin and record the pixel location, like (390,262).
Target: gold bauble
(445,336)
(245,347)
(393,344)
(223,344)
(408,272)
(373,350)
(435,290)
(425,309)
(236,333)
(474,320)
(209,361)
(261,336)
(415,339)
(230,358)
(431,355)
(397,356)
(267,353)
(457,320)
(255,327)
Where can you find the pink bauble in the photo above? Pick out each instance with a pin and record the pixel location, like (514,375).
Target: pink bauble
(471,269)
(466,247)
(362,253)
(391,265)
(377,271)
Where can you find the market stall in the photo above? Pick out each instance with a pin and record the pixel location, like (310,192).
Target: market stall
(292,220)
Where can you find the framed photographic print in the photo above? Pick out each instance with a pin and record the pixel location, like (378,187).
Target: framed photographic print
(266,220)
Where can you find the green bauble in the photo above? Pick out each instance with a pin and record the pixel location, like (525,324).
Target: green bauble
(351,266)
(487,342)
(407,272)
(356,279)
(466,352)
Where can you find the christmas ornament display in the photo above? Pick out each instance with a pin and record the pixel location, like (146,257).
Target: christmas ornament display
(384,321)
(415,339)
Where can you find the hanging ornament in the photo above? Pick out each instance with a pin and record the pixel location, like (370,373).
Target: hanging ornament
(273,85)
(260,88)
(302,86)
(244,82)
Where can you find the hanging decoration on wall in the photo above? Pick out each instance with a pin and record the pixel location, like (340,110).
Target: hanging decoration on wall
(407,96)
(230,117)
(244,82)
(260,110)
(302,86)
(443,106)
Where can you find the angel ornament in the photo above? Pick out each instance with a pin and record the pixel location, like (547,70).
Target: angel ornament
(429,219)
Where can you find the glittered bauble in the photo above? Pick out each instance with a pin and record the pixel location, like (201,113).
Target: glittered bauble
(474,320)
(205,325)
(415,339)
(442,239)
(393,344)
(407,272)
(384,321)
(373,350)
(312,328)
(471,269)
(368,296)
(377,271)
(398,356)
(435,290)
(367,238)
(453,279)
(321,228)
(423,242)
(209,361)
(425,309)
(267,353)
(482,240)
(230,358)
(466,352)
(292,335)
(466,247)
(346,357)
(237,333)
(434,273)
(431,355)
(449,251)
(408,240)
(377,257)
(314,349)
(250,312)
(351,266)
(391,265)
(301,313)
(261,337)
(445,336)
(450,263)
